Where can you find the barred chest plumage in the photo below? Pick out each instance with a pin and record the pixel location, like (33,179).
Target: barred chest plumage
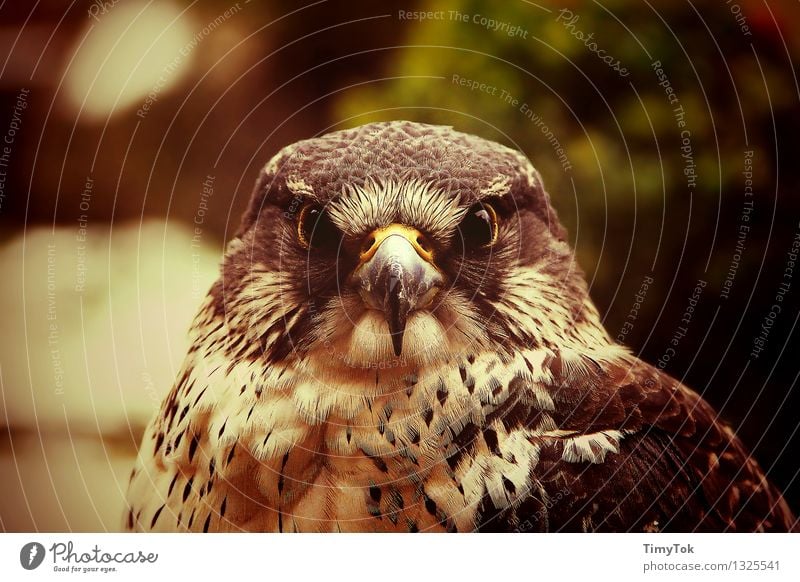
(324,447)
(510,407)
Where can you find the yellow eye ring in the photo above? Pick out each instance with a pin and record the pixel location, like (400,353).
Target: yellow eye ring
(302,234)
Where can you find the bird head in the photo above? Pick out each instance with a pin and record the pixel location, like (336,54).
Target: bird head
(401,243)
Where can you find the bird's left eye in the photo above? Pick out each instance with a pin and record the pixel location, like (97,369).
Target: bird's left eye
(315,229)
(479,226)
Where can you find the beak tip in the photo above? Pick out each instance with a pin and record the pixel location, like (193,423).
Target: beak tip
(397,331)
(397,344)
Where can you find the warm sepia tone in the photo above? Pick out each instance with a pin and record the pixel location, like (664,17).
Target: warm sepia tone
(132,133)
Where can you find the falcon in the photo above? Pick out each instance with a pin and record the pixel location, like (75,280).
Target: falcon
(401,340)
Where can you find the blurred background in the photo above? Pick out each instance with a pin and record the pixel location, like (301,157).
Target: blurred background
(131,133)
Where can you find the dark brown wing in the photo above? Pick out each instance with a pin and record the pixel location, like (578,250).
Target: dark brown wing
(679,468)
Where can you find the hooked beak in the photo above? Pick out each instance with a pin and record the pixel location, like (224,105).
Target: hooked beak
(396,274)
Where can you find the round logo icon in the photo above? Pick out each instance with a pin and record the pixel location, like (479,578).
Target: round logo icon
(31,555)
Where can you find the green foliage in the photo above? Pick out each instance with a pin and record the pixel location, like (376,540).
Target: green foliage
(620,134)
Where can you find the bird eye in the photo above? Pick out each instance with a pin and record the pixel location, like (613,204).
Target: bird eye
(479,226)
(315,229)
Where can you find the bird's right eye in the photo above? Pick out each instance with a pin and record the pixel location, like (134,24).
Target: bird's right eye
(315,228)
(479,227)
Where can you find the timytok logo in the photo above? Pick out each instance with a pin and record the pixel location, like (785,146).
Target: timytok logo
(31,555)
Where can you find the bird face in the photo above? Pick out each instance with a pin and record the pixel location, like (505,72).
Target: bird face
(399,270)
(399,244)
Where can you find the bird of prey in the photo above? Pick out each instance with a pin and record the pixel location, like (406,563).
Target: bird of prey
(401,340)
